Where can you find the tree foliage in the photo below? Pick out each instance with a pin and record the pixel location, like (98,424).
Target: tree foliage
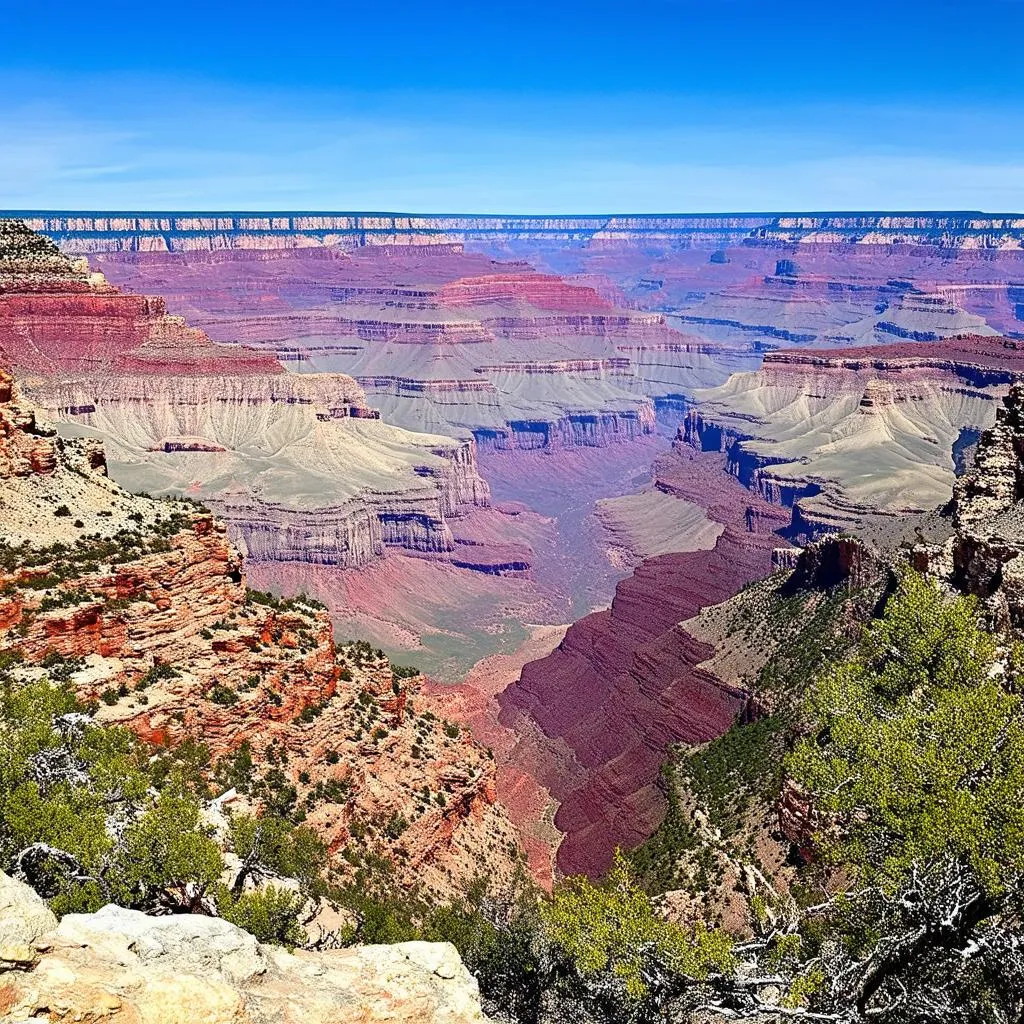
(268,844)
(916,748)
(611,930)
(81,818)
(270,913)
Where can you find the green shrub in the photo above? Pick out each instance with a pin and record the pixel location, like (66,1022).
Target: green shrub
(221,694)
(270,913)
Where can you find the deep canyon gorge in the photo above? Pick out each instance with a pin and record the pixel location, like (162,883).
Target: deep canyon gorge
(524,454)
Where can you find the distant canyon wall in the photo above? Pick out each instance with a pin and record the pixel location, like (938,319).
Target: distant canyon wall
(176,231)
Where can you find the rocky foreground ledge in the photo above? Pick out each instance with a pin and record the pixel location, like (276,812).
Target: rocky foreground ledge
(120,965)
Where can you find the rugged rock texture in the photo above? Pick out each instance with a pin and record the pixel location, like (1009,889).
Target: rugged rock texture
(839,436)
(443,340)
(202,231)
(56,317)
(287,460)
(119,965)
(983,557)
(299,466)
(625,683)
(146,602)
(942,230)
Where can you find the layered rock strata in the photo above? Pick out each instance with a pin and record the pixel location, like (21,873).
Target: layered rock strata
(300,466)
(144,602)
(840,436)
(625,683)
(442,339)
(211,231)
(983,557)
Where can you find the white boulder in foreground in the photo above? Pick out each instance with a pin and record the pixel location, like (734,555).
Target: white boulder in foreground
(119,965)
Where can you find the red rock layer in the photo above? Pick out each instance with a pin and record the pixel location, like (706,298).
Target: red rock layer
(174,646)
(106,330)
(625,683)
(26,448)
(969,355)
(543,291)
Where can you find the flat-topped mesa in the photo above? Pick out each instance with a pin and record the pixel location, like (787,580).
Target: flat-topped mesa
(161,232)
(979,360)
(801,430)
(970,230)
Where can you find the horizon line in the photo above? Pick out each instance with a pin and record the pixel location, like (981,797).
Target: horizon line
(43,212)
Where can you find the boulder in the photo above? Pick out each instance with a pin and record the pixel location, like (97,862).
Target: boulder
(121,965)
(24,918)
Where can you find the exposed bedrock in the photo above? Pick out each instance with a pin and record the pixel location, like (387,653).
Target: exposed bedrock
(591,430)
(985,555)
(515,357)
(286,459)
(840,436)
(103,329)
(299,464)
(626,682)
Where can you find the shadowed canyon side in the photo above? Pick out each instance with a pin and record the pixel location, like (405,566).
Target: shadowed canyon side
(625,683)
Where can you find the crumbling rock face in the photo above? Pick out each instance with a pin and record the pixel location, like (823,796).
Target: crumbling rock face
(984,555)
(825,564)
(798,820)
(27,446)
(119,964)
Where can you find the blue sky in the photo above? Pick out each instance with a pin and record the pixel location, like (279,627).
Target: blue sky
(525,107)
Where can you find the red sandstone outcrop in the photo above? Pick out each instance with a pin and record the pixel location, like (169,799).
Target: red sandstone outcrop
(543,291)
(146,601)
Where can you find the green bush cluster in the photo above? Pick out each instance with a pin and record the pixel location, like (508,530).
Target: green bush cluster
(64,781)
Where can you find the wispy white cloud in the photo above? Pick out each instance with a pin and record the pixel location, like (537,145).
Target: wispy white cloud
(142,143)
